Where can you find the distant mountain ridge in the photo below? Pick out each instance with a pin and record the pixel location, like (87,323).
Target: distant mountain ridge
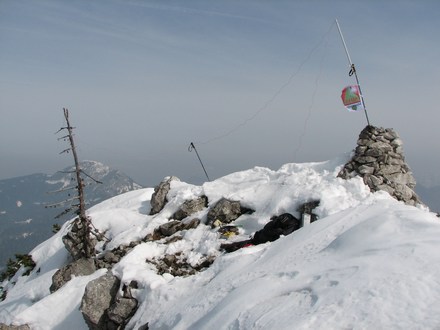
(24,219)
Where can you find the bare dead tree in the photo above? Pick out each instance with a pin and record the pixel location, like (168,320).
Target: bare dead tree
(79,180)
(79,241)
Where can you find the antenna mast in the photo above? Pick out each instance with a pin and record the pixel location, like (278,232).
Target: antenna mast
(353,70)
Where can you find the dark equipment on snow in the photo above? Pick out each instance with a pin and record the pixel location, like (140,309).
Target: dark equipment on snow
(283,224)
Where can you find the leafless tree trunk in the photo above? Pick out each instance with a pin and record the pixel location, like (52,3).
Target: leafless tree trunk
(79,240)
(80,186)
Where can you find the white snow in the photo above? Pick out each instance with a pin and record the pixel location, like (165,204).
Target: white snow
(369,262)
(64,181)
(25,234)
(27,221)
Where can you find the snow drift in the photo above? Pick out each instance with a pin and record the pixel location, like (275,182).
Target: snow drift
(368,262)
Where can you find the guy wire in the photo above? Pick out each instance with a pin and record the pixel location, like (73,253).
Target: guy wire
(275,95)
(309,112)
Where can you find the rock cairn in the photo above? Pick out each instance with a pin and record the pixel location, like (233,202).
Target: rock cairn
(379,160)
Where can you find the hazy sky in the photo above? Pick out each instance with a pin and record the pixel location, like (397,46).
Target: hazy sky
(251,83)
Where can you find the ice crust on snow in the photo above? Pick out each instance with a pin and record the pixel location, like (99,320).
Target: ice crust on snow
(369,262)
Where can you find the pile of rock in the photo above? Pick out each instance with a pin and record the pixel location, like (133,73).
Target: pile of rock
(178,265)
(379,160)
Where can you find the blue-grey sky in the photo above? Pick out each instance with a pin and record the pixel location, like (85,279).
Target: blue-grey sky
(251,83)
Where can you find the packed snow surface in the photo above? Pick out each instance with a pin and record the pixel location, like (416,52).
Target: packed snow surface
(369,262)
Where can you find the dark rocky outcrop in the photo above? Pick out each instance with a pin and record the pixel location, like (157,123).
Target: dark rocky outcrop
(190,207)
(159,197)
(103,308)
(121,311)
(178,265)
(14,327)
(379,160)
(78,240)
(225,211)
(168,229)
(173,226)
(98,297)
(80,267)
(110,258)
(228,231)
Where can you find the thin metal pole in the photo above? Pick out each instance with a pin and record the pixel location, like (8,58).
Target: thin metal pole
(353,71)
(190,148)
(343,42)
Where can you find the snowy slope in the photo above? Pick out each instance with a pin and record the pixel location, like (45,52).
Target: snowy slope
(370,262)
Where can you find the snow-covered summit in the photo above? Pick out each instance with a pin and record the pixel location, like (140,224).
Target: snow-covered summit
(369,262)
(114,181)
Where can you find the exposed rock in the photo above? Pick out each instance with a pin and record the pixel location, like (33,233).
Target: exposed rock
(366,159)
(190,224)
(159,197)
(170,228)
(178,265)
(389,169)
(372,180)
(173,239)
(99,295)
(80,267)
(122,310)
(364,169)
(228,231)
(226,211)
(382,147)
(144,327)
(379,160)
(173,226)
(14,327)
(109,258)
(78,241)
(190,207)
